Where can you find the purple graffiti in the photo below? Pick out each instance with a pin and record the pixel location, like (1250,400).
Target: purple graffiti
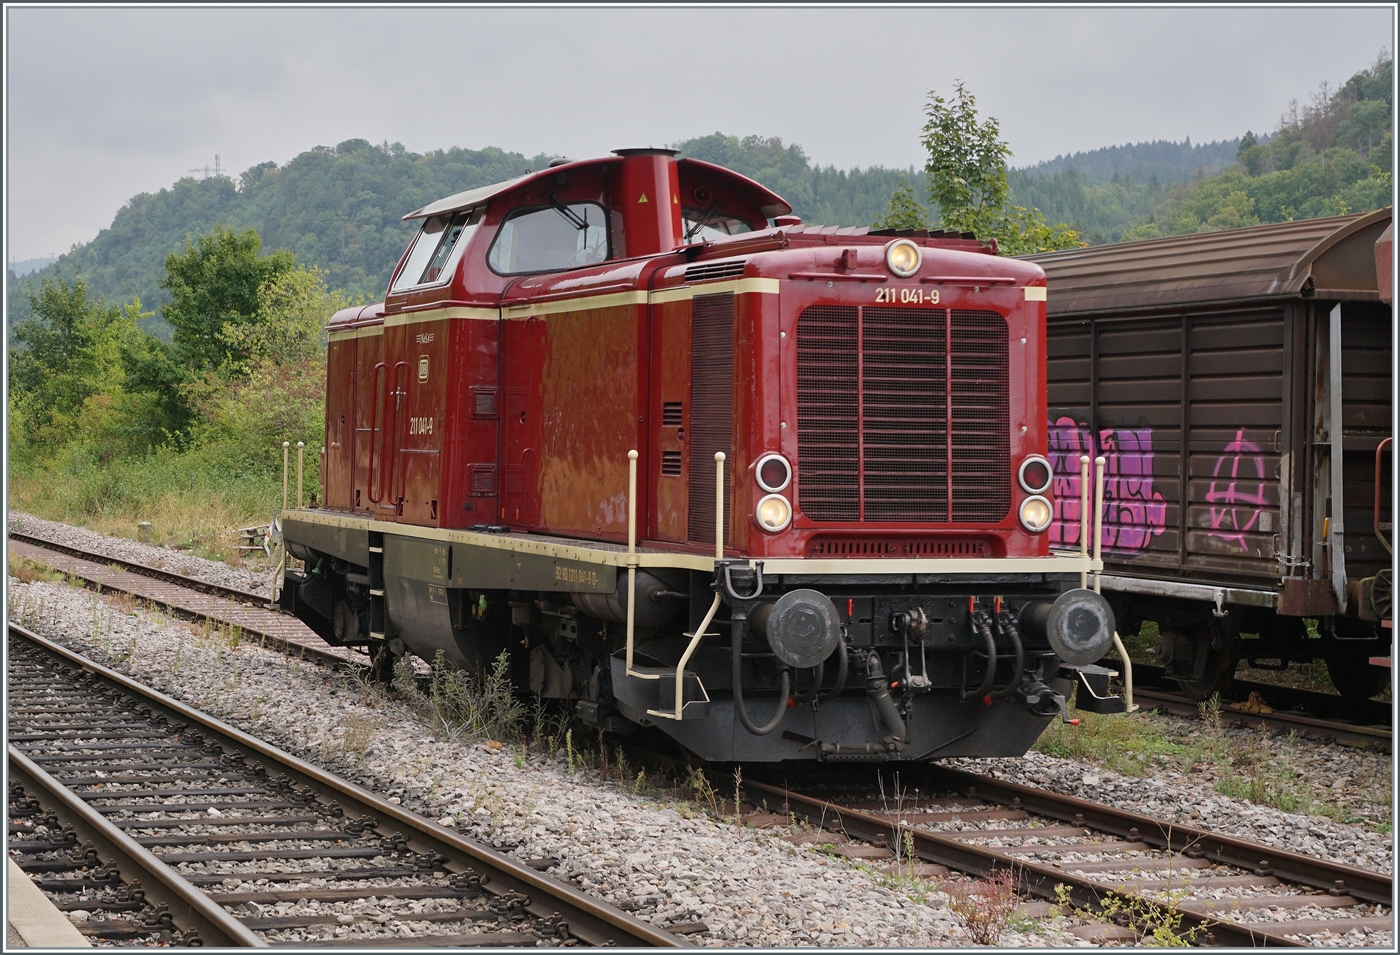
(1133,514)
(1240,508)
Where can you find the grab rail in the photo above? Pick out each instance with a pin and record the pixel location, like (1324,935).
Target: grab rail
(374,429)
(1376,521)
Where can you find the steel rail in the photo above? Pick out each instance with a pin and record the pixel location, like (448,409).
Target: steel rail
(1307,727)
(163,885)
(1043,880)
(322,654)
(145,570)
(1362,884)
(590,920)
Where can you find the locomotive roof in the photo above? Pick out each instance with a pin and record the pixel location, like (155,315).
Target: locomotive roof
(770,203)
(1328,258)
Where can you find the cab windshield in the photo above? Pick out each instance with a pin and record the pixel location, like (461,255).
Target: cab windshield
(699,224)
(550,238)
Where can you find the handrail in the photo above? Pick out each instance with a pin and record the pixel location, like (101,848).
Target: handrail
(1083,517)
(396,465)
(1376,521)
(714,605)
(632,561)
(374,429)
(1099,463)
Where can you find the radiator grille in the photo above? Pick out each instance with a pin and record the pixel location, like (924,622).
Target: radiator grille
(903,415)
(828,377)
(711,406)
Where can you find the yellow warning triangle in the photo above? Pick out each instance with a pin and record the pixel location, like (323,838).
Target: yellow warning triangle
(643,199)
(675,199)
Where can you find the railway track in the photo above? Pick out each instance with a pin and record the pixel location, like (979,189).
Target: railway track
(1237,892)
(1309,714)
(186,597)
(168,826)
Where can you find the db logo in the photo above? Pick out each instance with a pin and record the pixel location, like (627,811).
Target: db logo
(423,368)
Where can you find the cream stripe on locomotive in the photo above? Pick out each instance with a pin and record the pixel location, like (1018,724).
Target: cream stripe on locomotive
(615,555)
(562,306)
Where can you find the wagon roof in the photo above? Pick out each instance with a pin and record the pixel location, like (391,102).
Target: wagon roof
(1332,257)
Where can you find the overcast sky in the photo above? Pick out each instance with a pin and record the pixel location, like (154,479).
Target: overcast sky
(102,104)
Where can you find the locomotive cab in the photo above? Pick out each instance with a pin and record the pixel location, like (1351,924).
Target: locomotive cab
(778,491)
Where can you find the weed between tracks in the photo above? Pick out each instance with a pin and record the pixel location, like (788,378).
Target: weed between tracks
(1252,765)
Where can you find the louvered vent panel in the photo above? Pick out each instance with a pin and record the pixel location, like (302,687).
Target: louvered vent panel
(828,447)
(671,414)
(904,353)
(711,407)
(864,547)
(709,271)
(483,479)
(981,417)
(671,463)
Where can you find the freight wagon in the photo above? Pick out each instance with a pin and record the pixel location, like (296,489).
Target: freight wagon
(1239,385)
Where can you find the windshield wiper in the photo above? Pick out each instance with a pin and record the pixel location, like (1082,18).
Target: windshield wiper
(579,223)
(700,223)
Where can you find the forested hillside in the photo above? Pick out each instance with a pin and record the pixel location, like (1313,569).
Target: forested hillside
(1168,161)
(1329,157)
(339,208)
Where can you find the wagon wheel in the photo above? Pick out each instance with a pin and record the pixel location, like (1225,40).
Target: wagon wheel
(1215,637)
(1349,667)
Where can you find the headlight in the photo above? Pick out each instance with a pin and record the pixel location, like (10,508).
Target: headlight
(1035,475)
(903,257)
(773,513)
(1036,514)
(773,473)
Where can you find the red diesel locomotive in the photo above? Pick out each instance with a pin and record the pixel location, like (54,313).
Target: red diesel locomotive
(777,491)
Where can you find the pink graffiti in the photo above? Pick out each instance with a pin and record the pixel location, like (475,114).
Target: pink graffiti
(1231,521)
(1134,513)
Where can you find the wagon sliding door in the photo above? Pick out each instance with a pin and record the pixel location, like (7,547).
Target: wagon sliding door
(1115,389)
(1236,427)
(1189,413)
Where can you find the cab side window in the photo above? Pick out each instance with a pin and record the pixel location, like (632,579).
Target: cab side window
(436,250)
(550,239)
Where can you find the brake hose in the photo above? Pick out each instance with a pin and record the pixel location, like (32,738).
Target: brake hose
(980,624)
(807,695)
(1008,627)
(738,640)
(842,671)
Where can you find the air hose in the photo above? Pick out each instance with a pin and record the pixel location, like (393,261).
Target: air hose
(1007,625)
(842,671)
(785,687)
(983,626)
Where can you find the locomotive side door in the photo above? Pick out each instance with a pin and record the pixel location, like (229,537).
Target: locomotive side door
(340,420)
(422,376)
(522,357)
(369,353)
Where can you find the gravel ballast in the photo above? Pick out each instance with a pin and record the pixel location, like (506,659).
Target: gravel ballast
(664,860)
(749,887)
(161,558)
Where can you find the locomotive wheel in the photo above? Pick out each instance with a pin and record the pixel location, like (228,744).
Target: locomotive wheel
(1216,638)
(1350,669)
